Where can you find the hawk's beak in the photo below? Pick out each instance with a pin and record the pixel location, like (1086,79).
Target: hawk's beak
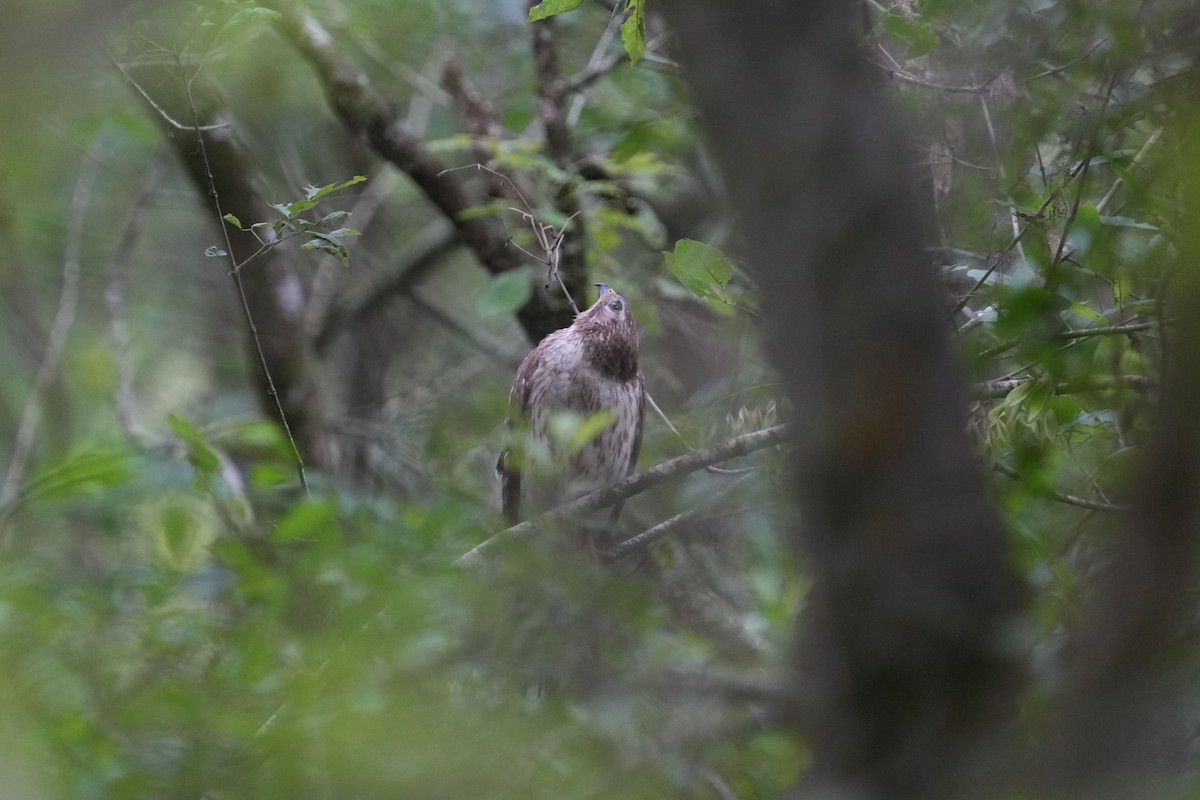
(604,288)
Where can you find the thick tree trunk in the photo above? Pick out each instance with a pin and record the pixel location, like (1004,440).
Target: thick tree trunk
(903,637)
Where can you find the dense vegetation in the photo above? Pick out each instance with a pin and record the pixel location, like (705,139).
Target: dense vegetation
(386,204)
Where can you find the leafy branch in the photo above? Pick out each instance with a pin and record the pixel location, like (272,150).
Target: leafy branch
(236,274)
(276,232)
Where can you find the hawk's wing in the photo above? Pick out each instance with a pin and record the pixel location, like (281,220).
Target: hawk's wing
(641,424)
(518,406)
(640,381)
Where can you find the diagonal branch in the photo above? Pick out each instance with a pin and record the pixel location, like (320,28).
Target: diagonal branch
(395,283)
(641,541)
(1063,497)
(376,118)
(633,485)
(1001,388)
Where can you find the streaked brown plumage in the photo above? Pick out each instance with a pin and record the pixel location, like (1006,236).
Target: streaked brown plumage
(586,368)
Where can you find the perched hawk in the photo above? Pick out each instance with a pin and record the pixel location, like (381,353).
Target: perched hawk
(590,367)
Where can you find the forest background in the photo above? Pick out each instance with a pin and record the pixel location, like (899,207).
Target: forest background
(917,291)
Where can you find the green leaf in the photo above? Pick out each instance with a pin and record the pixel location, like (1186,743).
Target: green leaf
(918,36)
(202,455)
(548,8)
(1088,217)
(633,30)
(325,244)
(1083,311)
(316,193)
(79,474)
(268,476)
(312,196)
(700,267)
(179,529)
(215,252)
(572,432)
(505,293)
(234,221)
(290,210)
(1127,222)
(332,215)
(590,428)
(308,520)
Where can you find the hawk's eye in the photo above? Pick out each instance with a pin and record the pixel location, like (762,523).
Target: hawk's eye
(615,304)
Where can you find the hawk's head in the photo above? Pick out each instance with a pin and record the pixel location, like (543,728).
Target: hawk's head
(609,335)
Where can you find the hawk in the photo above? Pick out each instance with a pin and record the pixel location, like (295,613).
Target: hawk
(585,369)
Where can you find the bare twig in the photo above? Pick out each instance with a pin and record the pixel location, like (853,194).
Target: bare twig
(1001,388)
(1063,497)
(1013,242)
(1060,252)
(598,66)
(651,535)
(114,299)
(64,318)
(162,112)
(1111,330)
(594,71)
(236,274)
(915,80)
(1081,333)
(1137,160)
(549,239)
(1013,219)
(633,485)
(462,331)
(1056,70)
(667,421)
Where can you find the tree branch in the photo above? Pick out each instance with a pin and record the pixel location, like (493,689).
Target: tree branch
(552,96)
(64,318)
(114,299)
(1112,330)
(651,535)
(476,114)
(633,485)
(209,183)
(369,114)
(1063,497)
(996,389)
(385,287)
(475,340)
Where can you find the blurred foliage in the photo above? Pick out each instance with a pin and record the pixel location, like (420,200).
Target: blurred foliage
(178,620)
